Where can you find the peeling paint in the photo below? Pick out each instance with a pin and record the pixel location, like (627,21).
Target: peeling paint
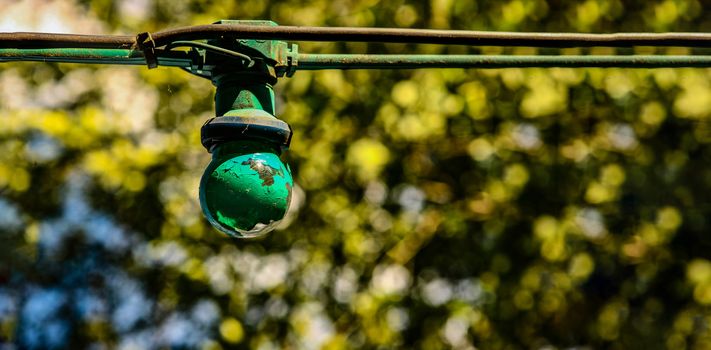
(266,172)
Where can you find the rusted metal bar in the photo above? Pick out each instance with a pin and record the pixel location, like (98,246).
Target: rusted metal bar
(52,40)
(326,61)
(432,36)
(98,56)
(329,61)
(355,34)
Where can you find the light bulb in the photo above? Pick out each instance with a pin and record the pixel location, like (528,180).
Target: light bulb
(246,189)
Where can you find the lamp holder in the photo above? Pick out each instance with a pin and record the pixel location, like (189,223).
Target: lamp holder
(244,97)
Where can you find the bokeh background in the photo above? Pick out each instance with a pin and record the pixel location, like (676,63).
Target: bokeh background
(492,209)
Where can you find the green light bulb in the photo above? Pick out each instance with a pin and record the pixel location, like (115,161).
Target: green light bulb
(246,189)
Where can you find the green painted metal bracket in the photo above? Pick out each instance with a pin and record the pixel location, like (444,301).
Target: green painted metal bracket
(277,57)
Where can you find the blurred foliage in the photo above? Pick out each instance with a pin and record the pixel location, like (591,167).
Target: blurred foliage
(497,209)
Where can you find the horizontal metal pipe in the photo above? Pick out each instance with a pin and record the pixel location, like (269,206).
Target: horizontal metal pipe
(327,61)
(96,56)
(330,61)
(55,40)
(432,36)
(358,34)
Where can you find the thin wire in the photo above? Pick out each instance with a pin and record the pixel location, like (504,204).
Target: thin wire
(212,48)
(196,73)
(351,34)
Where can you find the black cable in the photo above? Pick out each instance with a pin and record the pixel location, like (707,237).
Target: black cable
(350,34)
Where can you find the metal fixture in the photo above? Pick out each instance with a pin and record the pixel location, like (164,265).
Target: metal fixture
(246,189)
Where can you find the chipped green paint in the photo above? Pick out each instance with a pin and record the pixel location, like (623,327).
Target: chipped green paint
(246,189)
(408,61)
(96,56)
(287,59)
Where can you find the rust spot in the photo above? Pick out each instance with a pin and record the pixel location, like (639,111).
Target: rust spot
(266,172)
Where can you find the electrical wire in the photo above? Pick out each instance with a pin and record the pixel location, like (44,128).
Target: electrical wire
(212,48)
(354,34)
